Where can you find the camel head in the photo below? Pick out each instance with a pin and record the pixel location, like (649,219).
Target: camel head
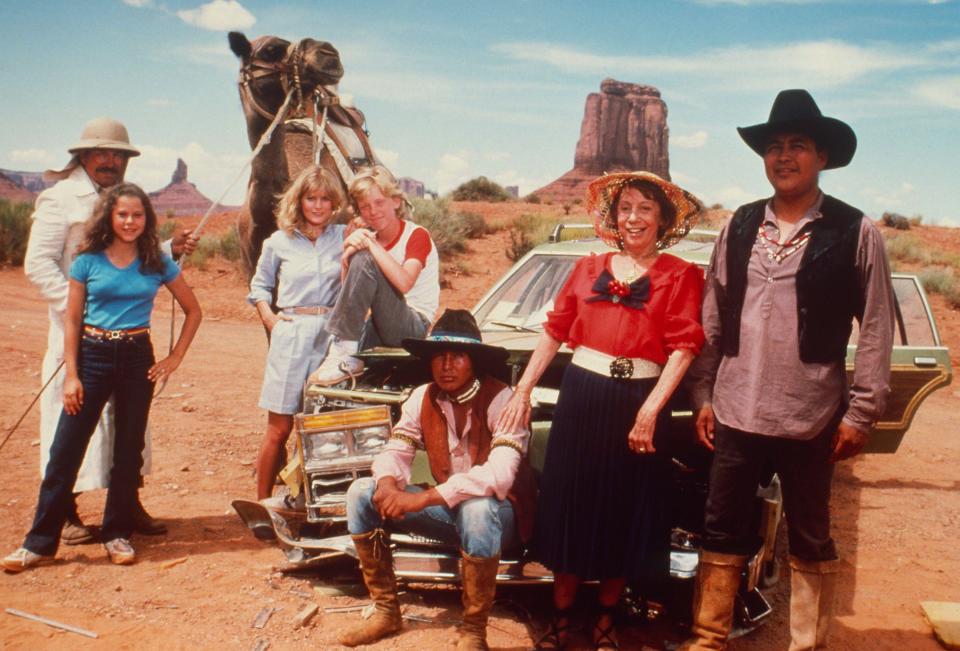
(270,67)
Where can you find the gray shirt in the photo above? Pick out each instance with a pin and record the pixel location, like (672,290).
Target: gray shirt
(306,273)
(766,389)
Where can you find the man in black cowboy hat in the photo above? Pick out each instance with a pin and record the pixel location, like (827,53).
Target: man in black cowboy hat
(788,276)
(484,492)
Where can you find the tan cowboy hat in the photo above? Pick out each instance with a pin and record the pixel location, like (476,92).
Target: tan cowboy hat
(98,133)
(602,193)
(104,133)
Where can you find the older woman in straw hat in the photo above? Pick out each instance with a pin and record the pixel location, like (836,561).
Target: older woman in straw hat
(632,318)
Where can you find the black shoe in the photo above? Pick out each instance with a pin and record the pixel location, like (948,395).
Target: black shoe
(144,523)
(557,634)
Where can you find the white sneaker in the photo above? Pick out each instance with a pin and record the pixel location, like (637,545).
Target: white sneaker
(338,365)
(23,559)
(120,551)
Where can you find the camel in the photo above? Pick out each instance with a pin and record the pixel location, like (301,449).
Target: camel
(270,68)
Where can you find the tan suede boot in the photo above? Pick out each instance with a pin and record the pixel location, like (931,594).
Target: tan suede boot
(376,563)
(718,578)
(812,589)
(479,588)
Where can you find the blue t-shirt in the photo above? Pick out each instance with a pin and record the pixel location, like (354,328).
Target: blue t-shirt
(119,299)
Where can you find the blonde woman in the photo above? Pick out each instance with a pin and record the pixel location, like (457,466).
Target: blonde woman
(301,263)
(392,283)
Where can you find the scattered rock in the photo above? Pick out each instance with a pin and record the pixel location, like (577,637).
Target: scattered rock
(303,617)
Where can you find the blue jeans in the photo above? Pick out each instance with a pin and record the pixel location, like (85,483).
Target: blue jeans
(481,525)
(106,368)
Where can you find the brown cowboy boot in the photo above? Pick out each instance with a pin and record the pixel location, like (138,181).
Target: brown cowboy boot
(376,563)
(718,578)
(479,587)
(812,588)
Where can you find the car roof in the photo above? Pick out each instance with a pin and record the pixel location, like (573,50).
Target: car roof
(696,247)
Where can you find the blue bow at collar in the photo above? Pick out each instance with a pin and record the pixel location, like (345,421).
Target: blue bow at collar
(608,288)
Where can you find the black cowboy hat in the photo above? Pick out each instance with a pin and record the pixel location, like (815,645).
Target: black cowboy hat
(457,330)
(795,111)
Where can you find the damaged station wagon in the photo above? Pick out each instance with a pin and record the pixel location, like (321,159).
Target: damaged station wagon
(342,428)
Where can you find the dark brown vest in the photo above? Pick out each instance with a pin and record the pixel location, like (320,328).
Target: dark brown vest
(522,495)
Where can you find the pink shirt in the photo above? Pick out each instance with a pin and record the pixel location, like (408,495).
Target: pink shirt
(494,477)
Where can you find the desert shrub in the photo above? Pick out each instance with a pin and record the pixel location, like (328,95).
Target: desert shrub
(567,207)
(480,189)
(906,248)
(166,229)
(532,198)
(14,231)
(225,245)
(526,232)
(916,220)
(943,281)
(897,221)
(474,224)
(447,231)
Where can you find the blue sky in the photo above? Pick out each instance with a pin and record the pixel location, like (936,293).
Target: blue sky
(453,90)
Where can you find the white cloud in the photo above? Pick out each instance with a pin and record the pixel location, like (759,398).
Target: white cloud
(694,140)
(138,3)
(730,196)
(892,198)
(813,63)
(35,156)
(218,16)
(497,155)
(453,169)
(388,157)
(943,92)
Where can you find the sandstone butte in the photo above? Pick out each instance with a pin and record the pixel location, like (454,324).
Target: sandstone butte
(624,128)
(180,197)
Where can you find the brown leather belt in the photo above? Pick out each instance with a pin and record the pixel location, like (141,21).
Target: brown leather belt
(114,335)
(312,310)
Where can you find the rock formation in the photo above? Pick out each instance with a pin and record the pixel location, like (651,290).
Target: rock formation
(624,128)
(181,197)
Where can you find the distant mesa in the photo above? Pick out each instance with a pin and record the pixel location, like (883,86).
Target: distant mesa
(411,187)
(624,128)
(181,197)
(12,190)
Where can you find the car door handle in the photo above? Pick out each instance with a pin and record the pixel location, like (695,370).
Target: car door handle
(925,362)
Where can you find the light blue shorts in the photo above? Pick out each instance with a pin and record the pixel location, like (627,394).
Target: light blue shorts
(296,349)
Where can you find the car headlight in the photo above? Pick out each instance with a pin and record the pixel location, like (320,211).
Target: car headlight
(324,445)
(370,440)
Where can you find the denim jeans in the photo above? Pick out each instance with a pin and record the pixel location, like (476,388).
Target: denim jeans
(366,289)
(805,471)
(481,525)
(106,368)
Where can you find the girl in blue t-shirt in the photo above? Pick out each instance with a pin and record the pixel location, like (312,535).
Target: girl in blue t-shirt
(107,351)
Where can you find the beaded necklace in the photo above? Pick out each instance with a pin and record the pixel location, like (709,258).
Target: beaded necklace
(776,252)
(468,394)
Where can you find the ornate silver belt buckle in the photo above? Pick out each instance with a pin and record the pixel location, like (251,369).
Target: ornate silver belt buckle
(114,335)
(621,368)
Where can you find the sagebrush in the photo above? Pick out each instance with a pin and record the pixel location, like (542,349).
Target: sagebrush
(14,231)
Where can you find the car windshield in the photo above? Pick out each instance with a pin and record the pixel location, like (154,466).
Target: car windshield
(523,300)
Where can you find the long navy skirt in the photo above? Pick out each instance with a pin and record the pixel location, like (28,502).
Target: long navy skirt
(603,511)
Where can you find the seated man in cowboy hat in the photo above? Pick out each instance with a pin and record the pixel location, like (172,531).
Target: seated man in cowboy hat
(788,276)
(484,491)
(98,160)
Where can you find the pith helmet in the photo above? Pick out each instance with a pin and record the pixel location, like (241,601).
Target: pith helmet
(104,133)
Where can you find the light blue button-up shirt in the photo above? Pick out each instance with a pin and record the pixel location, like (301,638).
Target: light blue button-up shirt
(305,273)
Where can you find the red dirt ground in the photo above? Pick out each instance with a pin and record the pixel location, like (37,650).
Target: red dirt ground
(896,516)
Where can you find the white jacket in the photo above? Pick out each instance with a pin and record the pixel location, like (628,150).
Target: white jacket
(55,234)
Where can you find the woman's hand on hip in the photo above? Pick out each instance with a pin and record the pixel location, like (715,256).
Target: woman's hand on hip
(640,438)
(72,395)
(162,369)
(273,319)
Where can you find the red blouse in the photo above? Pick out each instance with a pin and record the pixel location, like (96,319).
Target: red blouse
(668,321)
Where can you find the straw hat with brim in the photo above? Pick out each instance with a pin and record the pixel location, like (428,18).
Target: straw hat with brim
(104,133)
(795,111)
(602,193)
(457,330)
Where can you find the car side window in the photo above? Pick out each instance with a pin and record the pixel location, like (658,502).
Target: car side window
(912,326)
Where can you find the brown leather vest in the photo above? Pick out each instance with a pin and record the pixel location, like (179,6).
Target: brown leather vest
(523,494)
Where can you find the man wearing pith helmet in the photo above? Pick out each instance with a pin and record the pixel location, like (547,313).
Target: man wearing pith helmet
(789,275)
(98,160)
